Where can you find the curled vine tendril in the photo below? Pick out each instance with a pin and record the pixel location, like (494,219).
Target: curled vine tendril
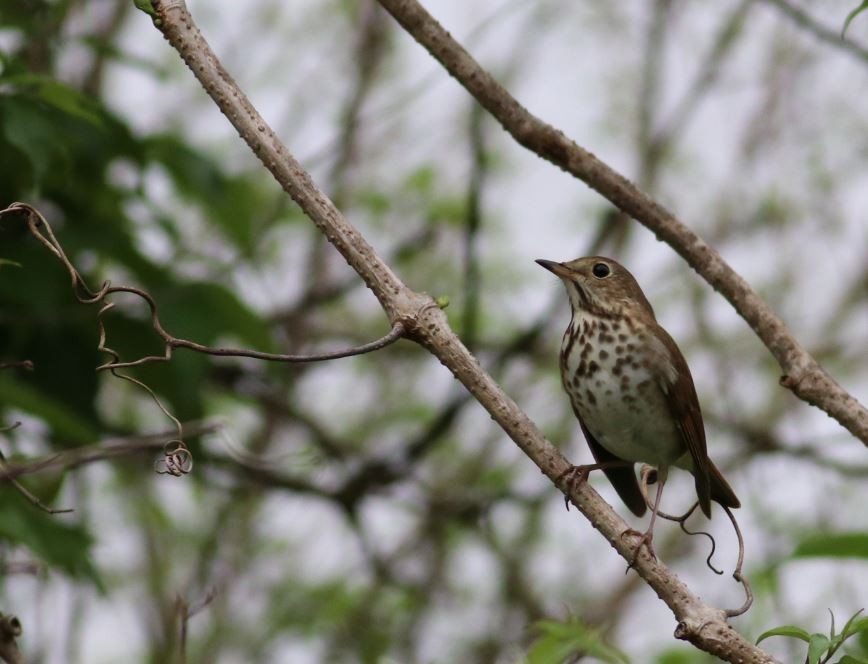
(177,459)
(738,575)
(645,475)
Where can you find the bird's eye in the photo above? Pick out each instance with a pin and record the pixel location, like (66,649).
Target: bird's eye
(601,270)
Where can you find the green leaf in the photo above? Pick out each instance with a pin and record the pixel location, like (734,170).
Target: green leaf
(230,202)
(64,421)
(852,626)
(785,630)
(856,627)
(4,261)
(560,640)
(30,128)
(202,312)
(64,98)
(835,545)
(673,656)
(853,14)
(422,180)
(849,659)
(145,6)
(817,646)
(50,537)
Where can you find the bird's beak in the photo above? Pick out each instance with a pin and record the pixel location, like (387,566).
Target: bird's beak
(559,269)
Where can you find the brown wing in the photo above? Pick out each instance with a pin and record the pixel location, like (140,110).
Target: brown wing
(683,404)
(623,479)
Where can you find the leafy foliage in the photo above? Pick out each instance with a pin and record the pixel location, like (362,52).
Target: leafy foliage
(821,648)
(835,545)
(559,641)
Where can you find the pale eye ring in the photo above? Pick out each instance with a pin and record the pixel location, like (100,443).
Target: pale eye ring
(601,270)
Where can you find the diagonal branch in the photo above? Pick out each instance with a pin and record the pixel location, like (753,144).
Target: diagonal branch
(825,34)
(703,625)
(802,373)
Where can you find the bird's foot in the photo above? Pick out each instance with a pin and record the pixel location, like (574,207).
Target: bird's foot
(645,540)
(571,478)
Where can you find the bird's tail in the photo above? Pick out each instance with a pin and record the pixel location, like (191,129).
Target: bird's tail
(721,492)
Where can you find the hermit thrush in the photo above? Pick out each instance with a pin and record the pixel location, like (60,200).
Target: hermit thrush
(630,387)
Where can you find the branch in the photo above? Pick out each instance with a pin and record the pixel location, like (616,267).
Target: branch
(108,449)
(820,31)
(802,373)
(32,499)
(425,323)
(472,223)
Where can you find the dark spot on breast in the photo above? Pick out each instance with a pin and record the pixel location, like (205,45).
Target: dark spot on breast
(593,368)
(619,350)
(582,368)
(645,384)
(622,337)
(586,350)
(604,354)
(631,348)
(603,327)
(591,398)
(617,370)
(629,398)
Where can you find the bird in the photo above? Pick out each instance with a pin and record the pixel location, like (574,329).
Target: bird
(631,389)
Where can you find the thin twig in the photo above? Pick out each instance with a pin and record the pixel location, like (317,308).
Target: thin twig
(708,72)
(186,611)
(472,223)
(71,459)
(737,574)
(32,499)
(28,567)
(27,365)
(681,520)
(827,35)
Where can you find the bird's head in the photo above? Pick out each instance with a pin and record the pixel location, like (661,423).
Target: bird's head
(600,285)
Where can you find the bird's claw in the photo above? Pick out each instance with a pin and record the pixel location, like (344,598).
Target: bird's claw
(645,540)
(571,478)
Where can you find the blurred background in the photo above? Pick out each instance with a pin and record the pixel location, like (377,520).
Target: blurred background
(365,509)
